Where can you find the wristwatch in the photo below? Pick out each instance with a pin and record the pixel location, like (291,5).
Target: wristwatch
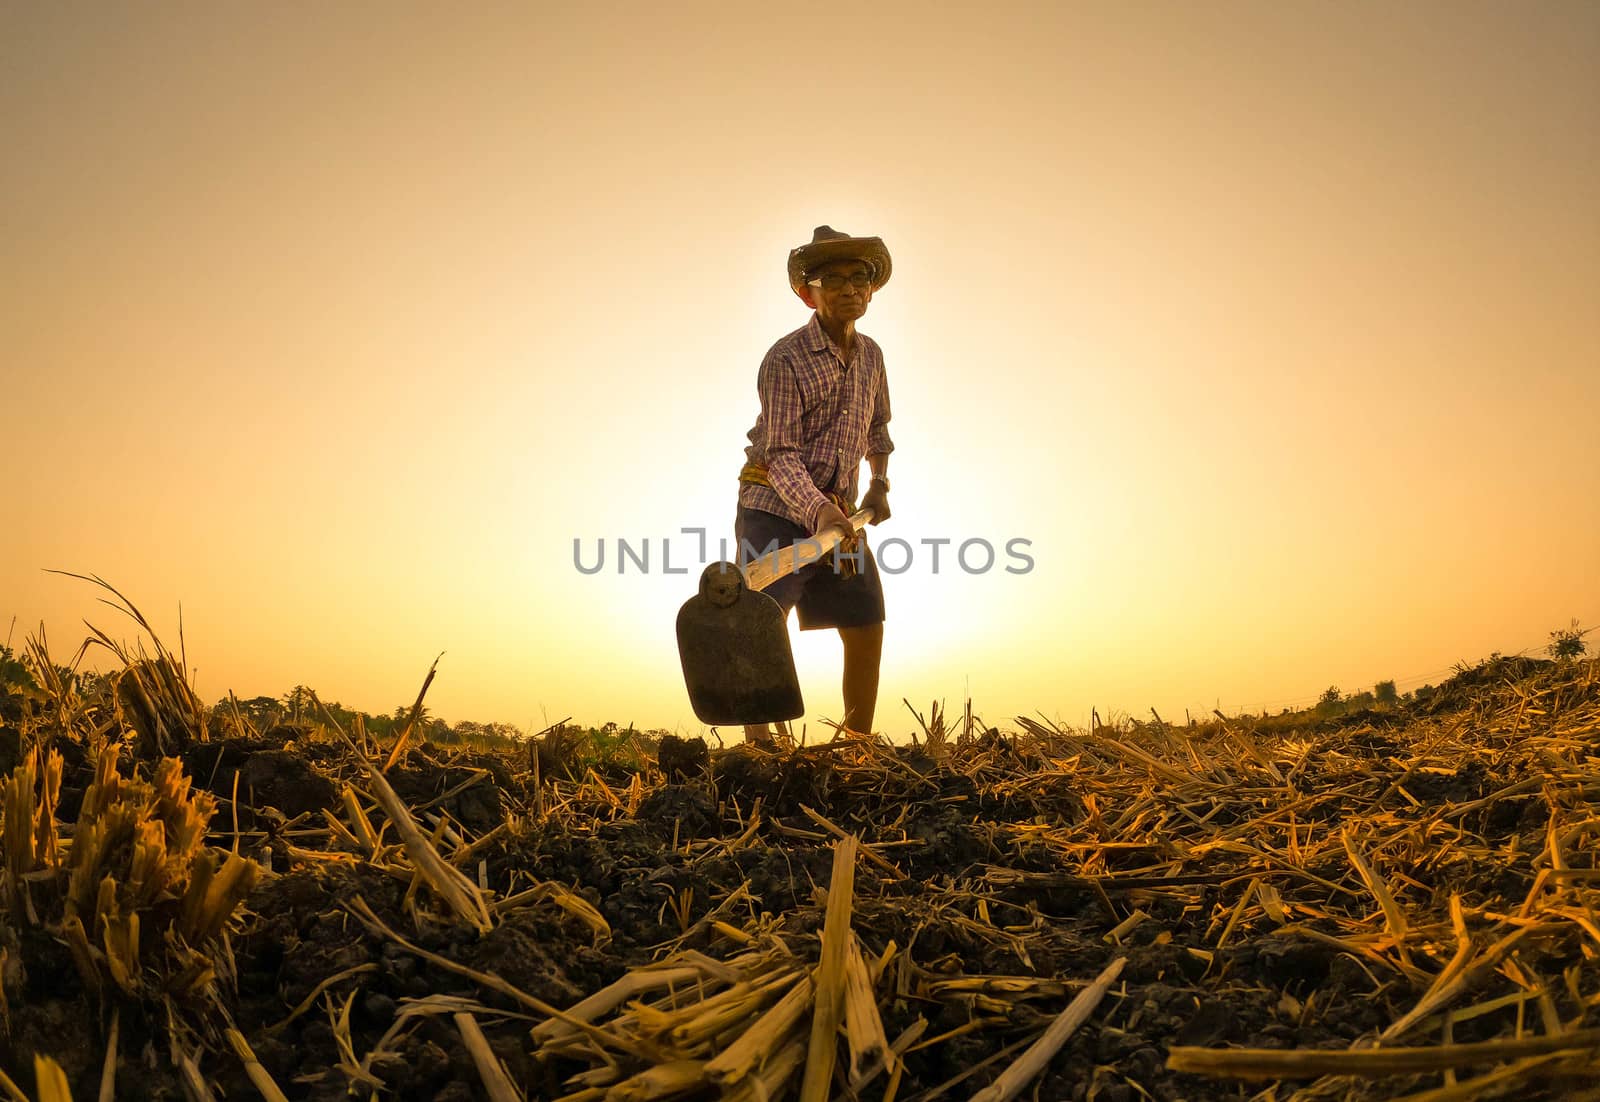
(877,478)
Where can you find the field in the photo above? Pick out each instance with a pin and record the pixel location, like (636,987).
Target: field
(1398,903)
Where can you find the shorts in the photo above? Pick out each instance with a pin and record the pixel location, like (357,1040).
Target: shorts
(822,597)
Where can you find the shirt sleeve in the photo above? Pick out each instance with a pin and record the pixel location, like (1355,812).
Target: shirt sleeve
(878,442)
(786,468)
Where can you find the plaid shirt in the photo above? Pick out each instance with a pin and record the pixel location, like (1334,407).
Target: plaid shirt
(819,418)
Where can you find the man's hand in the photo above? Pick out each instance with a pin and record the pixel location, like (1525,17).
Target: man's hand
(876,499)
(831,516)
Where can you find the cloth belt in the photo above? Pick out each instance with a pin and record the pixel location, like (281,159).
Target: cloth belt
(847,554)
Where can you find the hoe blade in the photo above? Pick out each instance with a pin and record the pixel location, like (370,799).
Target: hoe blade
(734,645)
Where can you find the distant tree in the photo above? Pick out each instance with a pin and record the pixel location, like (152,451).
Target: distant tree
(258,711)
(1567,644)
(15,672)
(403,713)
(299,704)
(1330,696)
(344,717)
(263,710)
(1384,692)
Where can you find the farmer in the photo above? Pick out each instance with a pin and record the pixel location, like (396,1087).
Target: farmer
(824,407)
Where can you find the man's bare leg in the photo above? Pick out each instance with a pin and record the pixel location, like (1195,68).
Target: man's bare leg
(762,733)
(863,650)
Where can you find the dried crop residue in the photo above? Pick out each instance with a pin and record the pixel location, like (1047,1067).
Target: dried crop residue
(1406,881)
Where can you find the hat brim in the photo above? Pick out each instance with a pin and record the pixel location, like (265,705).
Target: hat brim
(808,258)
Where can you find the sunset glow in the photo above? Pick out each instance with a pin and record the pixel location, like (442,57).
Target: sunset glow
(1273,329)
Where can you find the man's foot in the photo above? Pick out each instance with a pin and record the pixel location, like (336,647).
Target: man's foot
(760,735)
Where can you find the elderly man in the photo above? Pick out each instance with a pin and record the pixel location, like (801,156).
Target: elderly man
(824,407)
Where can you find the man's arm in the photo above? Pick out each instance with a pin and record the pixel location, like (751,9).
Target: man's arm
(878,443)
(878,448)
(786,469)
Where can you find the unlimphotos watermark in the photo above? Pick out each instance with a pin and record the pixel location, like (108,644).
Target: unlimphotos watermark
(894,555)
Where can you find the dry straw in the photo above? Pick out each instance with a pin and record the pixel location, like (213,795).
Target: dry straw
(1441,855)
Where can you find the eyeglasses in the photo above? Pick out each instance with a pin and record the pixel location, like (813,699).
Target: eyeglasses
(835,281)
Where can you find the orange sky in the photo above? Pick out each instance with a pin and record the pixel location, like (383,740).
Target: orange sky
(1274,327)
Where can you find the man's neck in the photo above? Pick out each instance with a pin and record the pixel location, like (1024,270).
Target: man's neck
(842,334)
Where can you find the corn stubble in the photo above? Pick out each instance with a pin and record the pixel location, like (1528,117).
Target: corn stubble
(1441,860)
(136,893)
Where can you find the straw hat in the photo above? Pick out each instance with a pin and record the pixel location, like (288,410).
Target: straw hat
(828,244)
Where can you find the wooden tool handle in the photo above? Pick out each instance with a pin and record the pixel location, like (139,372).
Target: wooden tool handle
(762,572)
